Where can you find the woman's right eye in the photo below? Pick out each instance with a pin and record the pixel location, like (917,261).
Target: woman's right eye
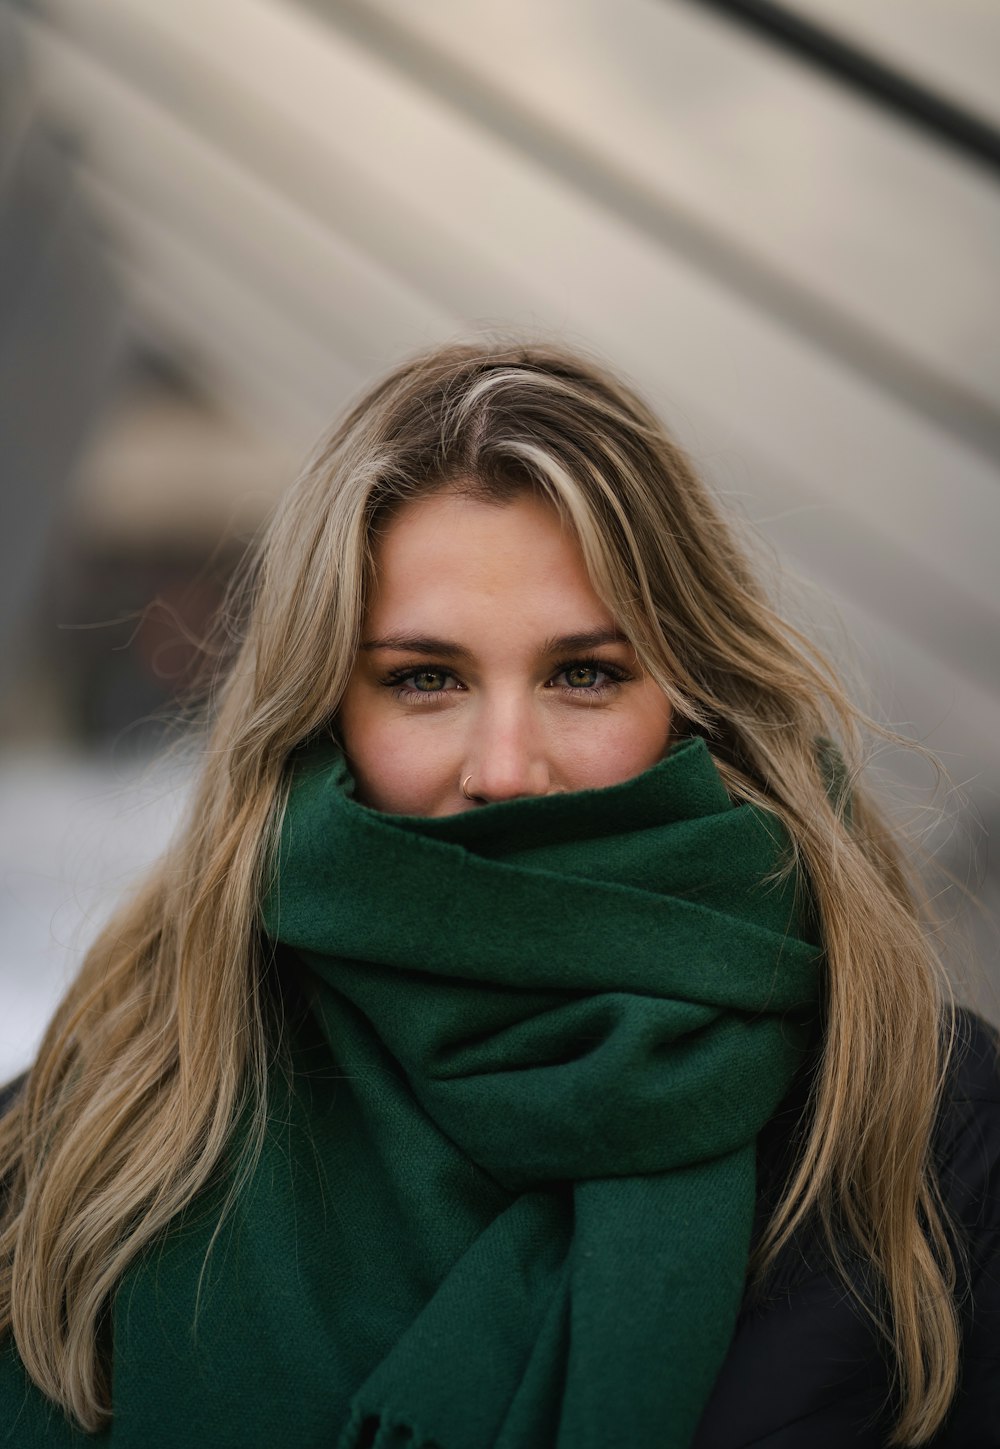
(428,681)
(413,684)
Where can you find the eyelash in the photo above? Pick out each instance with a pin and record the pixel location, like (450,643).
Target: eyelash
(396,679)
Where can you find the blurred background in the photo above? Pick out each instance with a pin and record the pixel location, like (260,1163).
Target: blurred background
(220,219)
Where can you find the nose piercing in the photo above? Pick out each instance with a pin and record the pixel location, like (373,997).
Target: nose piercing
(559,789)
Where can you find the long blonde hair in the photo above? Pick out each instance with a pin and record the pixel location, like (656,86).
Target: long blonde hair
(165,1039)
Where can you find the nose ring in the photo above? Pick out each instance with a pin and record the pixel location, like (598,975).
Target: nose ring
(559,790)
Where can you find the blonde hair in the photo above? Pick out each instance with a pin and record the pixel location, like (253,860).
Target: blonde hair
(165,1039)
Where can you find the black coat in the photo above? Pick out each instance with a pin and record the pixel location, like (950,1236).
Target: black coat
(806,1368)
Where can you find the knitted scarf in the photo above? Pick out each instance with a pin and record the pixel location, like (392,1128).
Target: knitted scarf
(506,1200)
(599,998)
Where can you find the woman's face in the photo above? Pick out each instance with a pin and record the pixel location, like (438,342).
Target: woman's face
(487,657)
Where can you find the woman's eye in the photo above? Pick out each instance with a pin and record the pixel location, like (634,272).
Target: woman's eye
(429,681)
(581,676)
(417,684)
(589,677)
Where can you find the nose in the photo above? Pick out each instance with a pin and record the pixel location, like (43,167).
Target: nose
(507,758)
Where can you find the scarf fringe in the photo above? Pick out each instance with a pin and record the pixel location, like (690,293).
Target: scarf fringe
(376,1431)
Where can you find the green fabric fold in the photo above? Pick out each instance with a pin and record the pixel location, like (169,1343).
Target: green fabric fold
(599,998)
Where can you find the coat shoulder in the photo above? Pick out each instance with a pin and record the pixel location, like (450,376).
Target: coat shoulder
(807,1363)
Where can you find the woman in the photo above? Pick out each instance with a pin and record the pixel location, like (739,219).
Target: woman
(532,1037)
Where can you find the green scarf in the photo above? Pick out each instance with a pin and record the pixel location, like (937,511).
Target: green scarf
(507,1201)
(599,998)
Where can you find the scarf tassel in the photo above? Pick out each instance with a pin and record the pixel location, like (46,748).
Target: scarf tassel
(375,1431)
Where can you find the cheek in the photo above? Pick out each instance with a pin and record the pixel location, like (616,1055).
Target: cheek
(391,772)
(616,747)
(399,782)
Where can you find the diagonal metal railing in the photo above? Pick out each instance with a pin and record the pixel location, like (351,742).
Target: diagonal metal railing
(868,75)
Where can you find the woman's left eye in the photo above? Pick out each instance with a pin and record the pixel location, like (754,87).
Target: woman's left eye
(579,675)
(590,676)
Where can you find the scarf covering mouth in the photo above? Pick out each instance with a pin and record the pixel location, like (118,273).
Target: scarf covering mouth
(600,998)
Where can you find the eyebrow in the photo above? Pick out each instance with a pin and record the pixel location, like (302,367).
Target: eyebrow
(428,646)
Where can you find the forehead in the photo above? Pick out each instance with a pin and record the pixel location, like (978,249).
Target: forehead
(449,552)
